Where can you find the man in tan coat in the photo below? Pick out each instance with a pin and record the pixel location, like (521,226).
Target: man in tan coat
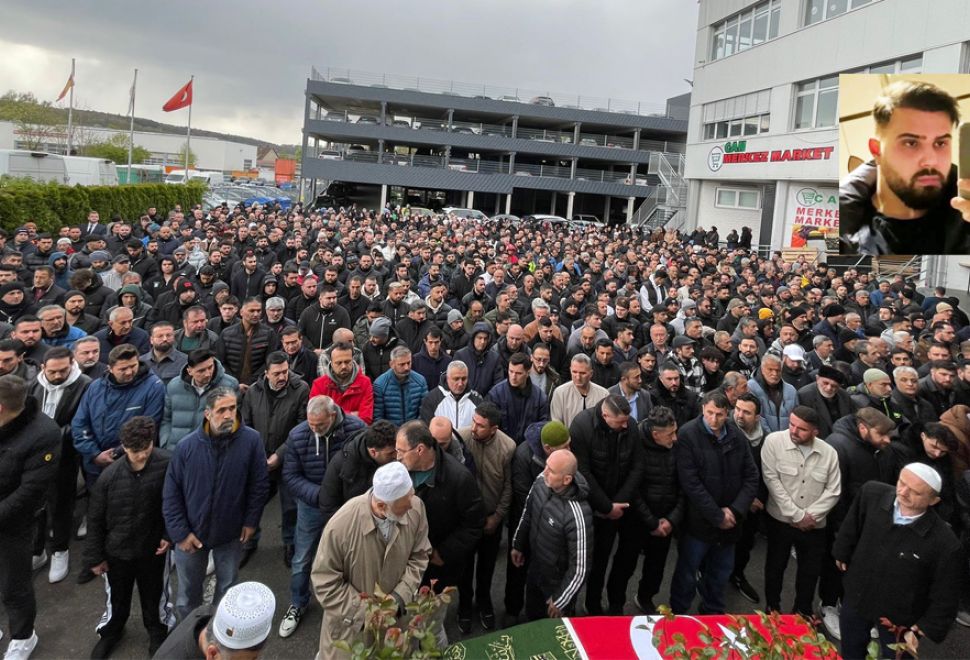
(378,540)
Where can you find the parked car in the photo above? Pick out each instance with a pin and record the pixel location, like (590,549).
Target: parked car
(510,99)
(586,217)
(366,119)
(543,100)
(588,142)
(401,123)
(465,214)
(507,217)
(542,218)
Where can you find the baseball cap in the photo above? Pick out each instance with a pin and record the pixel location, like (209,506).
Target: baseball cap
(794,352)
(244,617)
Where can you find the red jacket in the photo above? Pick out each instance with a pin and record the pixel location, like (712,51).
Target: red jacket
(357,399)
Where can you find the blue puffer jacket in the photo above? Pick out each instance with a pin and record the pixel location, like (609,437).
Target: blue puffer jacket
(398,402)
(215,486)
(307,457)
(184,405)
(777,420)
(106,405)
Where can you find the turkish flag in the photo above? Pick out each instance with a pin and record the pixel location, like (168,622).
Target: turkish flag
(182,98)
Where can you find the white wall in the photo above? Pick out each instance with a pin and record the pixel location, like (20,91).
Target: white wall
(211,153)
(726,219)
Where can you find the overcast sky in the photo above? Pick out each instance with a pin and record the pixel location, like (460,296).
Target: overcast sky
(251,60)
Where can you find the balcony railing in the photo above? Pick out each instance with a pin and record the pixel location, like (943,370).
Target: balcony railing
(478,166)
(505,130)
(489,92)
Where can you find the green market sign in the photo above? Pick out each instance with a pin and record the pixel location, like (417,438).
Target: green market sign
(737,152)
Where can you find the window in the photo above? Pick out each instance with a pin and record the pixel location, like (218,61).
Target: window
(749,28)
(822,10)
(743,115)
(816,101)
(247,164)
(737,198)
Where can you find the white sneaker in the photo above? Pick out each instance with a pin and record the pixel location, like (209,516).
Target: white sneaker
(830,619)
(82,531)
(290,621)
(20,649)
(59,566)
(874,633)
(211,566)
(963,618)
(38,561)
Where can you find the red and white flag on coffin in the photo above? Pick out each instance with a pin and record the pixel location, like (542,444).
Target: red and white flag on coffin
(182,99)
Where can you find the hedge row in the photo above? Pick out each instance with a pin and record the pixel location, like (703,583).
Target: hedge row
(52,205)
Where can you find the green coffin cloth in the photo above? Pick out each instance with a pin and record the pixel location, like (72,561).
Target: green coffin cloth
(546,639)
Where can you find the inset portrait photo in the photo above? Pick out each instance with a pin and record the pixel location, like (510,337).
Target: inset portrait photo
(898,164)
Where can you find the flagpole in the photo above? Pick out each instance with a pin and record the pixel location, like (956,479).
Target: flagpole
(70,112)
(131,129)
(188,136)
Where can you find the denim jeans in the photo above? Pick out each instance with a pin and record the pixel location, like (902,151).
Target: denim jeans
(715,561)
(309,524)
(191,571)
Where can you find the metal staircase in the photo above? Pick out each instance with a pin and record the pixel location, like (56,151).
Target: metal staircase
(668,202)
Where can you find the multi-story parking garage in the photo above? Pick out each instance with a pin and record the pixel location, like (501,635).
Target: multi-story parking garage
(379,138)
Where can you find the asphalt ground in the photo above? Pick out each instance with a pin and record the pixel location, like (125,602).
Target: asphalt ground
(68,613)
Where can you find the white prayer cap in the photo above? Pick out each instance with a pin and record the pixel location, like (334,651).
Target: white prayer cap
(927,474)
(392,482)
(244,617)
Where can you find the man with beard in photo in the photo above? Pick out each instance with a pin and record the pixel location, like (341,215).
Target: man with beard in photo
(900,202)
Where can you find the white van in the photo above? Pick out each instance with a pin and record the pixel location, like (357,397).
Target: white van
(209,178)
(90,171)
(36,165)
(69,170)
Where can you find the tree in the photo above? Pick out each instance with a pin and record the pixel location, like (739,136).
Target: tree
(181,157)
(116,149)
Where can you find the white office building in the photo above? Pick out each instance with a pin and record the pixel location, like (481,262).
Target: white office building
(762,140)
(212,154)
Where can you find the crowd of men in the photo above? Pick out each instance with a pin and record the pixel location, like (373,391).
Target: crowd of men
(417,389)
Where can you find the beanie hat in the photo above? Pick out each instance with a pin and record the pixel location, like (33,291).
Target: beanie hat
(454,315)
(833,310)
(872,375)
(554,434)
(765,313)
(380,327)
(943,307)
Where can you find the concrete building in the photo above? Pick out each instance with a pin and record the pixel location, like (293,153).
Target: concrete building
(763,130)
(374,138)
(211,153)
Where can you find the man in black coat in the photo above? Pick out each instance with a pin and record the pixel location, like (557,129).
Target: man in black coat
(58,389)
(456,515)
(720,479)
(669,391)
(319,320)
(660,504)
(126,538)
(29,446)
(900,561)
(861,441)
(610,454)
(827,397)
(273,406)
(352,469)
(243,347)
